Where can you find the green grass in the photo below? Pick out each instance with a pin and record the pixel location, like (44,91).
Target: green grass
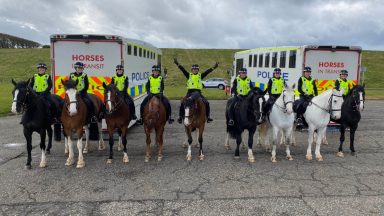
(20,64)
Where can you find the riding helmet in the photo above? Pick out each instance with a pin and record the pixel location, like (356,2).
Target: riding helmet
(243,70)
(79,65)
(119,67)
(195,66)
(156,68)
(277,70)
(345,72)
(42,65)
(307,69)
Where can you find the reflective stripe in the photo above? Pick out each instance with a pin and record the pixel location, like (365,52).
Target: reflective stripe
(344,85)
(119,82)
(155,84)
(41,83)
(194,81)
(243,86)
(277,86)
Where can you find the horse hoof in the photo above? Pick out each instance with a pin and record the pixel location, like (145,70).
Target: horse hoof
(101,148)
(319,158)
(201,157)
(189,157)
(290,158)
(340,154)
(353,153)
(146,160)
(48,152)
(109,161)
(43,164)
(85,151)
(159,159)
(66,152)
(309,157)
(125,160)
(80,164)
(274,160)
(325,142)
(28,167)
(251,160)
(69,162)
(228,147)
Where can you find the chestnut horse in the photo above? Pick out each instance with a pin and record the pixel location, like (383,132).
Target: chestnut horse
(195,118)
(154,117)
(74,118)
(117,116)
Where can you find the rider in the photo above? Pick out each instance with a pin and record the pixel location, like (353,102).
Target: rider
(41,83)
(121,82)
(194,83)
(343,83)
(275,88)
(242,85)
(82,88)
(307,89)
(155,86)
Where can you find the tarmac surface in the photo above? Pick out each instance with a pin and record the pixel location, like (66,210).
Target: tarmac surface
(219,185)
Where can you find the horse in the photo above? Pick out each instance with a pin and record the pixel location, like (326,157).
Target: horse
(317,115)
(195,118)
(74,118)
(248,114)
(154,117)
(35,118)
(281,118)
(350,116)
(118,116)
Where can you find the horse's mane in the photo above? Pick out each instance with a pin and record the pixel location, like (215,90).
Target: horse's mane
(356,87)
(69,84)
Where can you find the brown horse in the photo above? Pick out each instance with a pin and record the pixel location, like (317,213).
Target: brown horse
(154,117)
(195,118)
(117,116)
(74,118)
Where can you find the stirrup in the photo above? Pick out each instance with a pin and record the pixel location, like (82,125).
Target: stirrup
(231,122)
(209,120)
(179,120)
(94,119)
(170,121)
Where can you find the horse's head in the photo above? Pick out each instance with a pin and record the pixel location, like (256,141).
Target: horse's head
(111,97)
(71,96)
(335,103)
(257,101)
(20,93)
(288,96)
(358,95)
(190,108)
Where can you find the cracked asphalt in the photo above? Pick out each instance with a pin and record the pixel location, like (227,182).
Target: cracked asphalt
(219,185)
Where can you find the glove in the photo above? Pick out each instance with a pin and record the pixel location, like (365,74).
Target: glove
(216,65)
(175,61)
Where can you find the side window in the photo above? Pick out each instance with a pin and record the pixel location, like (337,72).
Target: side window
(261,60)
(135,50)
(255,60)
(250,61)
(129,49)
(292,59)
(140,51)
(282,58)
(145,53)
(274,59)
(266,60)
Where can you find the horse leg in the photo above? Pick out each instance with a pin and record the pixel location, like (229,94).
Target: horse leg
(124,140)
(243,147)
(66,145)
(324,140)
(238,142)
(201,130)
(86,129)
(160,140)
(226,145)
(342,138)
(101,140)
(185,145)
(43,162)
(71,155)
(148,144)
(80,161)
(310,140)
(352,139)
(275,133)
(49,132)
(282,139)
(111,141)
(120,144)
(288,135)
(196,145)
(293,139)
(251,158)
(189,151)
(28,137)
(320,135)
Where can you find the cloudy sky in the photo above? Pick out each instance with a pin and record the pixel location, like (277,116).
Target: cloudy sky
(202,23)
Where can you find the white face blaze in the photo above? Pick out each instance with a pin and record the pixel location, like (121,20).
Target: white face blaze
(186,120)
(13,108)
(361,98)
(289,97)
(260,110)
(72,98)
(109,103)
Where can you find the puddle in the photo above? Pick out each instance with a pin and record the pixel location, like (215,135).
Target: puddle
(14,145)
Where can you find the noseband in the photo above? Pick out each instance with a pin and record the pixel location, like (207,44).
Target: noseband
(25,105)
(329,110)
(284,109)
(116,105)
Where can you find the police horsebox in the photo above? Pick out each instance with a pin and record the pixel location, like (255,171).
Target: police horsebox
(100,55)
(326,63)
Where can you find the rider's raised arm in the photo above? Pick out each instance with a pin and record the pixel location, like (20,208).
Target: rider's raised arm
(203,75)
(185,72)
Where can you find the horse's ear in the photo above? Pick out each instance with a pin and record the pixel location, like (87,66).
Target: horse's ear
(285,85)
(29,80)
(104,85)
(14,82)
(62,81)
(294,85)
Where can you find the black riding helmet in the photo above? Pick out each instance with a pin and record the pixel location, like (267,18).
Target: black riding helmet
(41,65)
(307,69)
(243,70)
(79,65)
(156,68)
(195,66)
(277,70)
(119,67)
(345,72)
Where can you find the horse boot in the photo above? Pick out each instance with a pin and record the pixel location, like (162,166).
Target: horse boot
(208,112)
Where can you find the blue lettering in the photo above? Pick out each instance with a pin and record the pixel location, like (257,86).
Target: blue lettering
(285,76)
(140,76)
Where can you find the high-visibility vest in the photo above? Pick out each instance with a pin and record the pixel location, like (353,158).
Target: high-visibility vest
(307,86)
(155,84)
(194,81)
(41,83)
(243,85)
(119,82)
(80,85)
(277,86)
(344,85)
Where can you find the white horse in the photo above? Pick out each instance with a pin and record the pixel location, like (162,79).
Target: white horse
(281,118)
(318,114)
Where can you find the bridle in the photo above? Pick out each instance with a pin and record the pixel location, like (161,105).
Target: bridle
(68,104)
(329,110)
(115,104)
(357,101)
(23,103)
(284,109)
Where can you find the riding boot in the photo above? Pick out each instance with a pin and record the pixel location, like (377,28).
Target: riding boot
(208,112)
(142,105)
(168,108)
(91,109)
(181,113)
(131,106)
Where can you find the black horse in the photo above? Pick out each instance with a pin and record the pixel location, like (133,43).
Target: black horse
(350,116)
(37,117)
(247,115)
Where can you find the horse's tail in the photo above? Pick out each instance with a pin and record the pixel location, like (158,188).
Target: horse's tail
(57,131)
(93,131)
(232,130)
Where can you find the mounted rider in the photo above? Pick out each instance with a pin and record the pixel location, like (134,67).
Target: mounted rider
(121,82)
(343,83)
(307,89)
(155,87)
(274,89)
(241,86)
(82,88)
(194,84)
